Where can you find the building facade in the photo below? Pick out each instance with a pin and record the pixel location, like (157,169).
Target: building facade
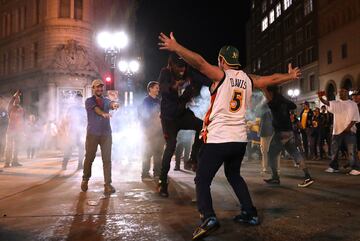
(282,32)
(339,45)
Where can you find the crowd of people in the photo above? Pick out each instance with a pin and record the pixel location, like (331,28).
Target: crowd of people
(220,137)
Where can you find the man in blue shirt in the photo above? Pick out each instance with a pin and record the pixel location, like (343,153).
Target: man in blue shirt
(98,133)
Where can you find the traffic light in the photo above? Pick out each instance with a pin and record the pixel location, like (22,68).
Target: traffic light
(109,82)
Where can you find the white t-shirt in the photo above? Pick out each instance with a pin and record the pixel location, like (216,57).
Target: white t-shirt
(225,119)
(345,111)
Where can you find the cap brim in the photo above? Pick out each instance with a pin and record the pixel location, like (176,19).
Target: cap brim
(228,63)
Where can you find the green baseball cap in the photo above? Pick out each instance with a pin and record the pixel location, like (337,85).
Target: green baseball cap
(230,55)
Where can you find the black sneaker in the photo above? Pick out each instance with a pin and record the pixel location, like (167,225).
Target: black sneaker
(272,181)
(209,226)
(163,189)
(307,182)
(247,218)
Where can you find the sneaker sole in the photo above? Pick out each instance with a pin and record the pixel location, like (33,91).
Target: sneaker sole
(205,233)
(306,185)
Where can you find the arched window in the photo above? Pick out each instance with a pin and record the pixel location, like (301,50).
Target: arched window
(330,91)
(64,11)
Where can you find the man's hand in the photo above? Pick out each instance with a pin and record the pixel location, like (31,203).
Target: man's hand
(115,105)
(167,43)
(106,115)
(294,72)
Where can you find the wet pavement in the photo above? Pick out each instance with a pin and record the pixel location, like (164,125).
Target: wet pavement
(40,202)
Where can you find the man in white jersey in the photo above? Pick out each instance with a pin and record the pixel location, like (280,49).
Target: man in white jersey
(224,130)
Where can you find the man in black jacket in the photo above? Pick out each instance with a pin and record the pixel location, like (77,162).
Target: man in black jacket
(178,85)
(283,135)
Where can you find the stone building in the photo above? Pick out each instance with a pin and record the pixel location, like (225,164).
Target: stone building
(48,48)
(339,45)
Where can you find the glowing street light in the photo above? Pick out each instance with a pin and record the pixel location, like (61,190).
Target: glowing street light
(293,93)
(129,68)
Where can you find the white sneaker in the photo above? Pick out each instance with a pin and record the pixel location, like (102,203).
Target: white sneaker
(354,172)
(331,170)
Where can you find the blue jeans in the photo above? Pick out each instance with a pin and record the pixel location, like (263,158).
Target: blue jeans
(349,138)
(284,140)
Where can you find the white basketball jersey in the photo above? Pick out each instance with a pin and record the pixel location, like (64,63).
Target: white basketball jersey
(225,119)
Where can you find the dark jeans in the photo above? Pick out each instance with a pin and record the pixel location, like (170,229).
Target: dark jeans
(349,139)
(315,137)
(74,141)
(211,157)
(188,121)
(283,140)
(182,147)
(305,136)
(325,135)
(154,148)
(91,145)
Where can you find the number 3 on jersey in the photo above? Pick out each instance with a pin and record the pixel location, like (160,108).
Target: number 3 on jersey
(236,101)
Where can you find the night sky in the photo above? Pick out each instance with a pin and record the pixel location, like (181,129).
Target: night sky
(202,26)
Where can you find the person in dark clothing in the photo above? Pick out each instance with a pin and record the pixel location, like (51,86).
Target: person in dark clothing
(4,121)
(178,85)
(149,116)
(183,147)
(283,137)
(306,116)
(325,131)
(75,132)
(315,133)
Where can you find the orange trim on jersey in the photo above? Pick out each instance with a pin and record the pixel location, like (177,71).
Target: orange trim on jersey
(207,121)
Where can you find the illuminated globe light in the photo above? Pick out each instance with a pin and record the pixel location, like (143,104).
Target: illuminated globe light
(104,40)
(134,66)
(296,92)
(123,66)
(120,40)
(290,92)
(108,79)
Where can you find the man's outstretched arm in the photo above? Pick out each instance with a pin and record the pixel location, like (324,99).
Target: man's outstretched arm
(262,82)
(195,60)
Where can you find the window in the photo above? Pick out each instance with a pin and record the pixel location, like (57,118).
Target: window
(309,31)
(64,9)
(278,10)
(299,61)
(329,57)
(344,52)
(288,44)
(310,55)
(78,8)
(22,58)
(23,18)
(308,7)
(298,14)
(299,36)
(17,59)
(253,4)
(35,54)
(287,4)
(263,6)
(259,63)
(37,12)
(302,85)
(264,24)
(271,16)
(312,82)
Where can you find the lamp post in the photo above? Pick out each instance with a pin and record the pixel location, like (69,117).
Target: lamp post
(112,43)
(293,93)
(129,68)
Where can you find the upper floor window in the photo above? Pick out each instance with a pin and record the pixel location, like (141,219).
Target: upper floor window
(263,6)
(272,16)
(308,7)
(265,24)
(312,82)
(344,51)
(37,12)
(329,57)
(64,9)
(287,4)
(278,10)
(78,9)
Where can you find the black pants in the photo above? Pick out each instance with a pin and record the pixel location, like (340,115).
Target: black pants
(325,135)
(154,148)
(315,137)
(305,140)
(188,121)
(211,157)
(91,145)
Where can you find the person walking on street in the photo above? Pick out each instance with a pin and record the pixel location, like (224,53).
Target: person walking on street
(346,115)
(14,131)
(325,132)
(98,133)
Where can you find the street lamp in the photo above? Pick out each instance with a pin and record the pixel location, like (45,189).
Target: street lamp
(129,68)
(112,43)
(293,93)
